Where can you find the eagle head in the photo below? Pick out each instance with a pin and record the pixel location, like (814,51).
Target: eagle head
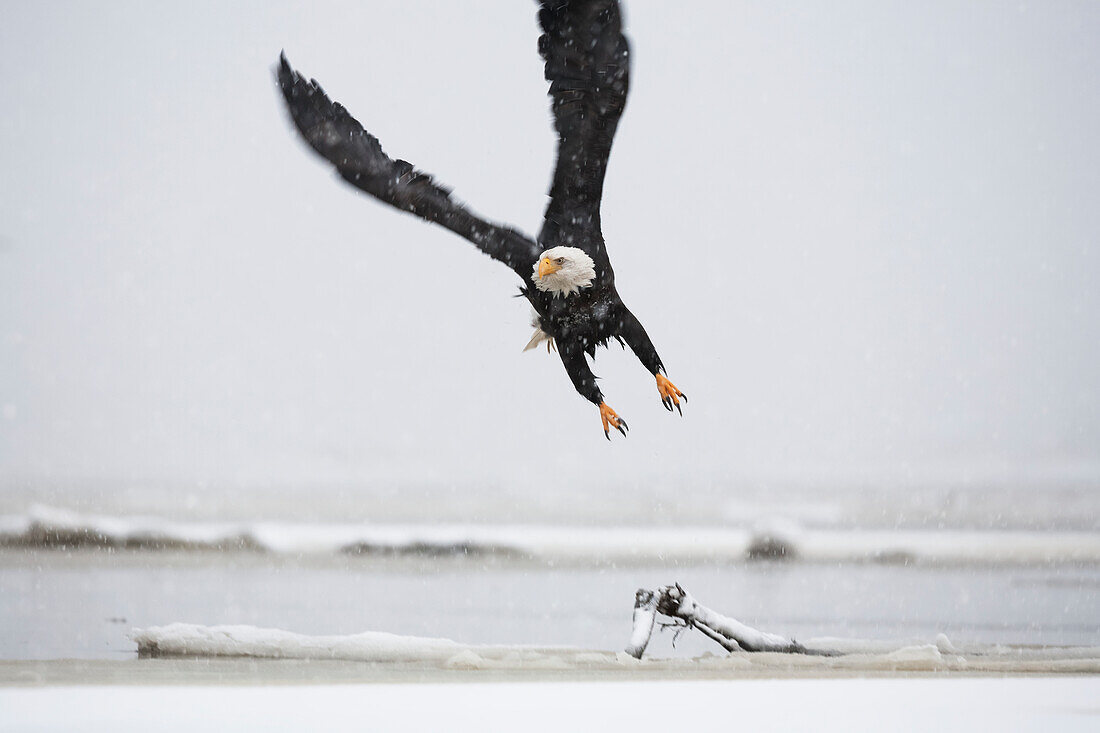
(563,270)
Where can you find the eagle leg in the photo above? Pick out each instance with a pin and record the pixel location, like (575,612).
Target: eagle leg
(670,395)
(611,419)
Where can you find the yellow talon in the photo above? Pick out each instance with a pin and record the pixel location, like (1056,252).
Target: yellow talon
(611,419)
(670,395)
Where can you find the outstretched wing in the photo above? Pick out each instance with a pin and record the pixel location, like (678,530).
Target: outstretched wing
(588,67)
(358,157)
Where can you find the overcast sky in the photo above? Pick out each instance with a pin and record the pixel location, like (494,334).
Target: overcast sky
(864,237)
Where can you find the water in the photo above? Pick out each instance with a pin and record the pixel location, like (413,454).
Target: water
(82,604)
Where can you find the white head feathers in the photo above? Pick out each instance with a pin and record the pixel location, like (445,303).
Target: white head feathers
(563,270)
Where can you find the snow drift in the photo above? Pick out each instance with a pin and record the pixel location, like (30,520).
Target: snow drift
(940,655)
(249,641)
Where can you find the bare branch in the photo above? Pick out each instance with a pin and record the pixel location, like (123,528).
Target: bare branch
(645,614)
(677,603)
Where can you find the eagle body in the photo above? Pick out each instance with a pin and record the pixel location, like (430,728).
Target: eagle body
(588,320)
(566,273)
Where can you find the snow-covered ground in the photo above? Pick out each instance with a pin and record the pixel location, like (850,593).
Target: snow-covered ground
(1016,704)
(44,526)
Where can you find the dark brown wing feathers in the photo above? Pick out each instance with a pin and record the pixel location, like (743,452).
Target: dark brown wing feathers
(358,157)
(588,66)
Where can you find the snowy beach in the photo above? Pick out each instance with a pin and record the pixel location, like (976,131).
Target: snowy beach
(1063,704)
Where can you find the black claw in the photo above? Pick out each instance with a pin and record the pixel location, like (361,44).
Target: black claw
(623,423)
(684,396)
(607,435)
(622,431)
(679,410)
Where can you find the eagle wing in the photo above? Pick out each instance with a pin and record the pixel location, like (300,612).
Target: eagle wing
(358,157)
(588,66)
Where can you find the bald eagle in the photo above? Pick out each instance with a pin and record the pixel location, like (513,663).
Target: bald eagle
(567,276)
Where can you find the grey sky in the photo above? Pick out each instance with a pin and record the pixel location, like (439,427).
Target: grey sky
(865,238)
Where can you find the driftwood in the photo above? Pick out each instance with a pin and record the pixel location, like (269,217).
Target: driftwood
(675,602)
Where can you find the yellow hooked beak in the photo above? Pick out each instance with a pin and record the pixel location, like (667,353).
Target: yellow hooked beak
(547,267)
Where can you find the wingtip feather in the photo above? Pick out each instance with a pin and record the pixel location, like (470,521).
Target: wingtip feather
(285,73)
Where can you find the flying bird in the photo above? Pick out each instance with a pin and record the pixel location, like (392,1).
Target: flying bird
(566,273)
